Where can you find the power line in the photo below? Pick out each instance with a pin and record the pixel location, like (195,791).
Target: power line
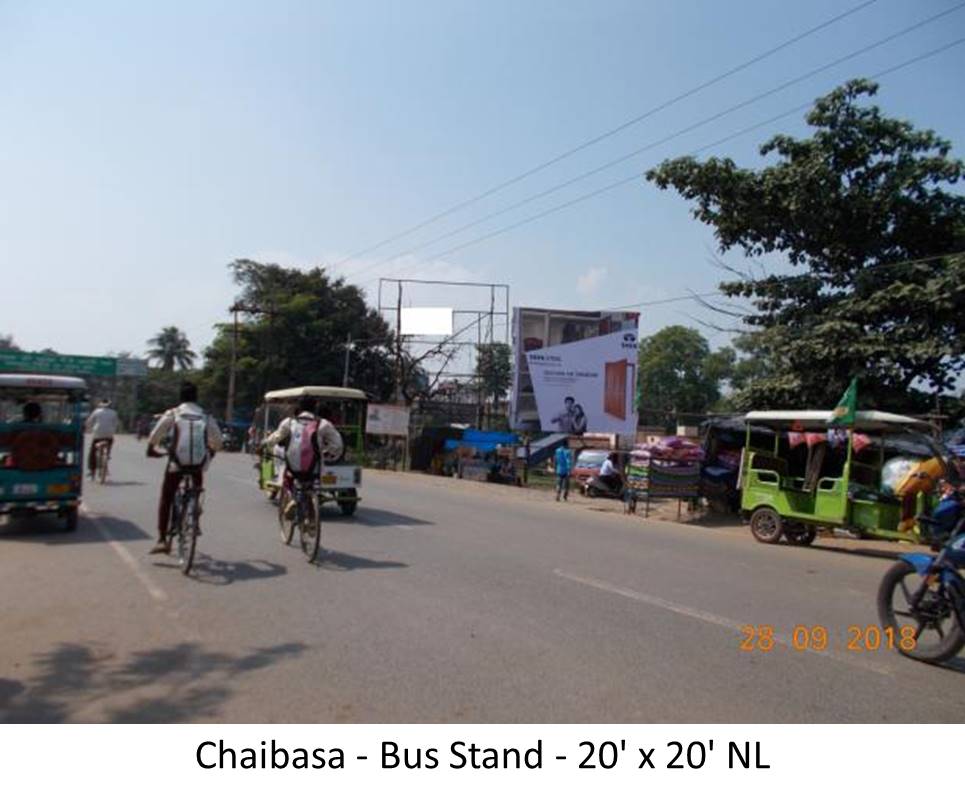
(605,135)
(636,175)
(668,138)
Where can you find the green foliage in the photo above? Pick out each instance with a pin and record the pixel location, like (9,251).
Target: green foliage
(293,333)
(678,372)
(494,369)
(171,348)
(856,209)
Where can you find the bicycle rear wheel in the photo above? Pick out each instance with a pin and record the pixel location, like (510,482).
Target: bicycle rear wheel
(310,526)
(188,532)
(102,464)
(286,519)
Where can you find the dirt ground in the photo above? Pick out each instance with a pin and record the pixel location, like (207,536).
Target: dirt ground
(660,511)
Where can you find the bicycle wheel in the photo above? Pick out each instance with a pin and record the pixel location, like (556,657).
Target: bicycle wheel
(937,636)
(188,532)
(309,525)
(286,519)
(102,464)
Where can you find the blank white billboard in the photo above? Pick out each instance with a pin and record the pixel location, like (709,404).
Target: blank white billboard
(426,321)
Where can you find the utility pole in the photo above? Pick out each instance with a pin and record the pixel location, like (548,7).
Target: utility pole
(348,355)
(229,409)
(398,346)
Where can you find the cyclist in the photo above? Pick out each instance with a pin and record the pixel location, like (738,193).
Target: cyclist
(101,425)
(309,440)
(195,439)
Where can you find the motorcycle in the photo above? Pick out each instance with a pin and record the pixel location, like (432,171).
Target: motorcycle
(927,619)
(595,487)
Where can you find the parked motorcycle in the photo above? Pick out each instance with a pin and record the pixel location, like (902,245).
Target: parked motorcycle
(595,487)
(921,599)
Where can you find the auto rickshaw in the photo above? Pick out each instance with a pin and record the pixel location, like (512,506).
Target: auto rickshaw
(341,479)
(41,445)
(871,479)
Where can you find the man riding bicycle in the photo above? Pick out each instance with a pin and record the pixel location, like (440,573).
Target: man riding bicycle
(195,438)
(309,440)
(102,426)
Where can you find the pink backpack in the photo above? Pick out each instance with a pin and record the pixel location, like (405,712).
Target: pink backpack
(301,454)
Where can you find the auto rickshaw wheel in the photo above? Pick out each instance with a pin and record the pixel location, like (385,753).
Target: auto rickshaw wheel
(348,506)
(766,525)
(70,520)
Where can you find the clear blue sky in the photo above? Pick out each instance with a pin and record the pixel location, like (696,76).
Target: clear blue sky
(144,146)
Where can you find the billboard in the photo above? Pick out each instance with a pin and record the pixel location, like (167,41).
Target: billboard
(575,371)
(425,321)
(388,420)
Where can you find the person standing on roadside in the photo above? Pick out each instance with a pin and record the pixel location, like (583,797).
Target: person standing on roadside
(564,465)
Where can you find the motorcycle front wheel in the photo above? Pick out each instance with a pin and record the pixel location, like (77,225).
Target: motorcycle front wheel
(932,623)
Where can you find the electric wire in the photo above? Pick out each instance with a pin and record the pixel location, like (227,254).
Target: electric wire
(607,134)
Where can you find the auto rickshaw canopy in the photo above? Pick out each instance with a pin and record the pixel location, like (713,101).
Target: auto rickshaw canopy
(322,392)
(869,421)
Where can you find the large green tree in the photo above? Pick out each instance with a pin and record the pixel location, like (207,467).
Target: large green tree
(293,330)
(494,369)
(860,210)
(678,372)
(171,349)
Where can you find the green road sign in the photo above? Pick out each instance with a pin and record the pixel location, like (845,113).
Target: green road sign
(45,363)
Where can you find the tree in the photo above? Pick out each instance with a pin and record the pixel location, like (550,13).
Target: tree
(293,328)
(860,210)
(7,342)
(677,371)
(494,369)
(171,348)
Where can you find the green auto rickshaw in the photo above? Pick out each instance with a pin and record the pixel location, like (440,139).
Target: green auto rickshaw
(42,445)
(341,479)
(871,479)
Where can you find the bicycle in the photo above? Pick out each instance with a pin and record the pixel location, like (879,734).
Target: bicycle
(185,523)
(306,494)
(101,457)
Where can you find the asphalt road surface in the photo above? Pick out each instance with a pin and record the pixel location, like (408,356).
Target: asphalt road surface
(441,601)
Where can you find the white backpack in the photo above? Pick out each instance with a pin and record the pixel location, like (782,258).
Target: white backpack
(189,447)
(301,452)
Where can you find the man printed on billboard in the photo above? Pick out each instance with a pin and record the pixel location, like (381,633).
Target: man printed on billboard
(572,419)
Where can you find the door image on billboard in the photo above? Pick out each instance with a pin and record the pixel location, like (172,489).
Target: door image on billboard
(618,378)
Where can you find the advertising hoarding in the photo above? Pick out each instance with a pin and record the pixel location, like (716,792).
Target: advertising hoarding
(387,420)
(575,371)
(425,321)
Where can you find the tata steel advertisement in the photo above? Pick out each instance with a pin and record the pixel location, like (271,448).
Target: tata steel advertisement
(575,371)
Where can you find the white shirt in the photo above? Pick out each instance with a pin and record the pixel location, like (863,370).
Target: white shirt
(329,439)
(607,468)
(102,423)
(166,422)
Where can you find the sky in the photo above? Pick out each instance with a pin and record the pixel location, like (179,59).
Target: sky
(144,146)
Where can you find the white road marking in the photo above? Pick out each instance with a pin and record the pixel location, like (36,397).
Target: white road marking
(710,617)
(126,557)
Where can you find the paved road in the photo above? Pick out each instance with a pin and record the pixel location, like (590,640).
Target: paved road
(441,601)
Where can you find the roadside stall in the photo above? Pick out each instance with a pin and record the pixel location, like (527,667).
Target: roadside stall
(871,479)
(345,408)
(666,469)
(42,445)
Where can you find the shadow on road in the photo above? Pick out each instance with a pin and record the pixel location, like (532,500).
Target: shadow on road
(336,560)
(378,518)
(874,553)
(210,570)
(83,682)
(47,529)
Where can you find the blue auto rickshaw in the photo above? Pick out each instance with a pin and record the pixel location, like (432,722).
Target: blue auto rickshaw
(41,445)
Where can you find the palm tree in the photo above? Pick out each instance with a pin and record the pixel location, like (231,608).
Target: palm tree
(170,347)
